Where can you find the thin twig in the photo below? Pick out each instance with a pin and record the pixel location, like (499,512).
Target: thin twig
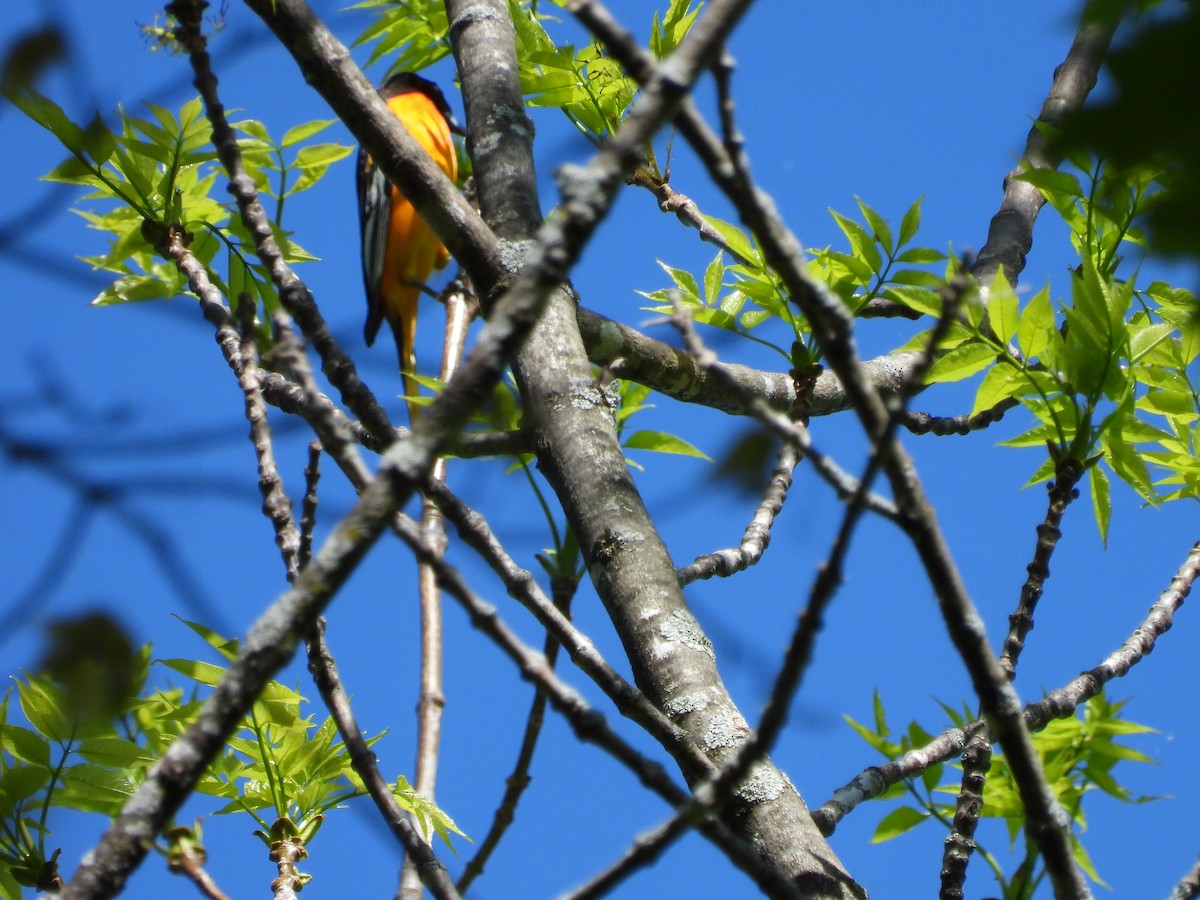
(519,779)
(757,535)
(960,842)
(976,760)
(431,700)
(684,208)
(927,423)
(293,293)
(275,506)
(1062,491)
(308,507)
(431,870)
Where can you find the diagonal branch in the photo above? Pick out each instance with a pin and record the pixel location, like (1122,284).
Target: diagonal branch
(1010,233)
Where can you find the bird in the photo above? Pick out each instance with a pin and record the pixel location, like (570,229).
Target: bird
(399,250)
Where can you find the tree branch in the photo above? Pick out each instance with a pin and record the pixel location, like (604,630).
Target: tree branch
(1010,233)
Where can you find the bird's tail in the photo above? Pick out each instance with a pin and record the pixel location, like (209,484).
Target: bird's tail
(405,331)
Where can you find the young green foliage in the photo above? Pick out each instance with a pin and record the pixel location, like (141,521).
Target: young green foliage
(1078,755)
(591,89)
(157,172)
(279,762)
(1093,370)
(746,295)
(414,34)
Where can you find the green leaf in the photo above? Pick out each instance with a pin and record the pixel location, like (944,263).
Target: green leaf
(1037,321)
(1002,309)
(667,34)
(879,225)
(19,783)
(227,647)
(1053,183)
(737,240)
(26,745)
(42,704)
(197,670)
(909,226)
(714,273)
(961,362)
(1000,383)
(861,243)
(921,255)
(1143,340)
(685,282)
(877,709)
(114,753)
(898,821)
(313,162)
(660,442)
(298,133)
(1101,500)
(918,298)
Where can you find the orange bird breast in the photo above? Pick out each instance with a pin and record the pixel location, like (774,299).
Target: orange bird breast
(399,249)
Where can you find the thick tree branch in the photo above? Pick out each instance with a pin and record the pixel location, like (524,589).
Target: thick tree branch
(575,439)
(588,724)
(672,372)
(474,531)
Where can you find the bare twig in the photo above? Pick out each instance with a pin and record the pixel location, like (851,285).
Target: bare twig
(293,293)
(1062,491)
(186,856)
(960,842)
(308,507)
(926,423)
(724,563)
(515,784)
(684,208)
(432,698)
(276,505)
(977,758)
(431,870)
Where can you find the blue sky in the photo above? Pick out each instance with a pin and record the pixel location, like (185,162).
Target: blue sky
(888,102)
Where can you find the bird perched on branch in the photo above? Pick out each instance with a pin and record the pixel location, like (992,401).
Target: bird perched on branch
(398,249)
